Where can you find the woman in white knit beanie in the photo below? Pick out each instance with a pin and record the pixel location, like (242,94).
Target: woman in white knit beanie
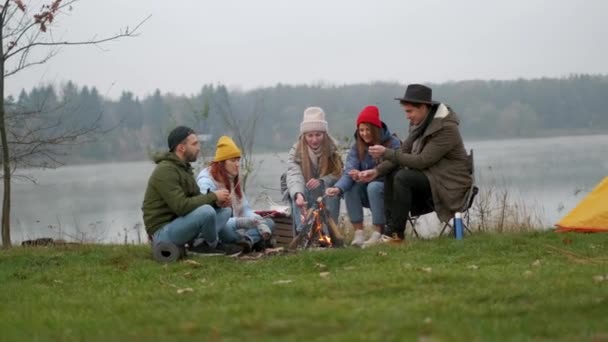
(314,165)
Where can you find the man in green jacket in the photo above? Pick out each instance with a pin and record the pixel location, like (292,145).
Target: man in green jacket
(174,210)
(431,171)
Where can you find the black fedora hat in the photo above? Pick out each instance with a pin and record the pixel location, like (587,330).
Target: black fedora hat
(417,93)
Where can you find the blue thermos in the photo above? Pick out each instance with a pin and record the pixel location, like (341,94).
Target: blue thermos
(458,230)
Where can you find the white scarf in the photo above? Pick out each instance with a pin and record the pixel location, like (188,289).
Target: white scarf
(315,155)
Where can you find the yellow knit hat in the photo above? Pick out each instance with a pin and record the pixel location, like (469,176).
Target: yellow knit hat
(226,149)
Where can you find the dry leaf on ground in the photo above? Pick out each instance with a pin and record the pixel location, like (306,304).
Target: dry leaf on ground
(426,269)
(192,262)
(599,278)
(321,266)
(527,273)
(473,267)
(324,274)
(279,282)
(381,253)
(536,263)
(184,290)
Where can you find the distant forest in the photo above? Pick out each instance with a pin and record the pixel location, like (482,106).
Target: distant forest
(488,110)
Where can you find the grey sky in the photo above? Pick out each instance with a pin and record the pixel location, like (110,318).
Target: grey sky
(187,43)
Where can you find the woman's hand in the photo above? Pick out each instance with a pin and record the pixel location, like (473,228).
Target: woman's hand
(377,151)
(368,175)
(313,183)
(300,202)
(354,175)
(333,191)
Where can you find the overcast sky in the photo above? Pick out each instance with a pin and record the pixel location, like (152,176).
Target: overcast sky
(246,44)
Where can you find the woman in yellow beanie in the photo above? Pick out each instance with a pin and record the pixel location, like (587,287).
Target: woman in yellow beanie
(314,164)
(245,227)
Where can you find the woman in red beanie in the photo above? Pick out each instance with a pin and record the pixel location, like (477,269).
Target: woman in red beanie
(358,194)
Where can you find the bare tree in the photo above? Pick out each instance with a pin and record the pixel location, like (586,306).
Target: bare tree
(28,138)
(242,127)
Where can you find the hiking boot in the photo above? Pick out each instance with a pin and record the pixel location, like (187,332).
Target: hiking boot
(204,249)
(262,245)
(271,243)
(374,239)
(359,238)
(230,249)
(245,244)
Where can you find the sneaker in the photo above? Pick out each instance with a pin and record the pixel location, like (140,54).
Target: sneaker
(359,238)
(374,239)
(245,244)
(230,249)
(204,249)
(389,239)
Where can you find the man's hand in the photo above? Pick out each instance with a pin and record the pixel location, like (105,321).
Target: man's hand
(313,183)
(377,151)
(354,175)
(333,191)
(223,198)
(368,175)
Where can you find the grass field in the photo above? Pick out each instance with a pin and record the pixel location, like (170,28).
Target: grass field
(539,286)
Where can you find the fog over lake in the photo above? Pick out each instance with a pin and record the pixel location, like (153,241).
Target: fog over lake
(550,175)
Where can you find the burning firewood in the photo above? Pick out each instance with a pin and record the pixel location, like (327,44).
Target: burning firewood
(313,234)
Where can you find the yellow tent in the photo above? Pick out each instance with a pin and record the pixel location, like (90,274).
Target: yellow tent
(591,214)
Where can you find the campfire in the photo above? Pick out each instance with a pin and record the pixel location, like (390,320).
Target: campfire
(319,229)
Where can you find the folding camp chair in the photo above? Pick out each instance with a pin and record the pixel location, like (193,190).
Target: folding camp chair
(465,210)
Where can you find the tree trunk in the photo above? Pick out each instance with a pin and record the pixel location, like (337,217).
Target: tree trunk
(6,166)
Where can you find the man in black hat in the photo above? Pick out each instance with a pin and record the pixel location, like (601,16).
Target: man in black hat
(174,210)
(431,171)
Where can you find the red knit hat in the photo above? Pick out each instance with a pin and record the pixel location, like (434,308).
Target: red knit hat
(370,115)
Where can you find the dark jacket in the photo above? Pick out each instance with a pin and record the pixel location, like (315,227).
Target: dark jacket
(353,163)
(442,159)
(172,192)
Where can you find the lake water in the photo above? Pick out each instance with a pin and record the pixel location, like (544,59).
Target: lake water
(102,202)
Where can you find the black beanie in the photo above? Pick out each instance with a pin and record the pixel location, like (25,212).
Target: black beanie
(177,135)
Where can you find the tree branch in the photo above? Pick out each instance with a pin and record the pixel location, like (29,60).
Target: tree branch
(125,34)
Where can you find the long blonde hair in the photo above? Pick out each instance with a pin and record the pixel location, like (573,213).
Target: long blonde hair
(330,162)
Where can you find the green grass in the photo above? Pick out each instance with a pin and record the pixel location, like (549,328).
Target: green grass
(385,293)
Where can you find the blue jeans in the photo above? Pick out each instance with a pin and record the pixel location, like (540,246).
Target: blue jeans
(229,234)
(201,223)
(310,196)
(368,195)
